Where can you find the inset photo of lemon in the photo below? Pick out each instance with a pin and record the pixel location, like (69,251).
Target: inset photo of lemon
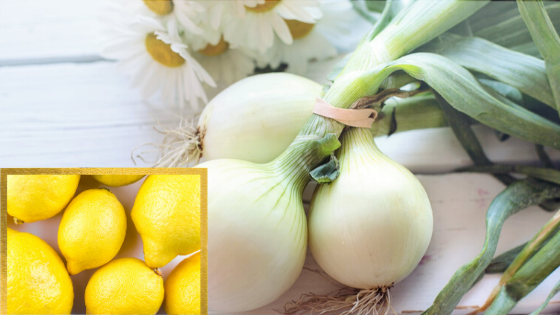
(104,241)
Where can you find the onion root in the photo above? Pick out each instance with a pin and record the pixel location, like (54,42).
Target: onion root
(180,147)
(355,301)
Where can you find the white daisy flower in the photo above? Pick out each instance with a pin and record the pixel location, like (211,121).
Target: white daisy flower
(211,18)
(158,59)
(224,64)
(183,11)
(340,27)
(256,30)
(209,36)
(216,10)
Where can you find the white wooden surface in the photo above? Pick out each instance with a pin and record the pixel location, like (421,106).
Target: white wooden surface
(35,31)
(61,105)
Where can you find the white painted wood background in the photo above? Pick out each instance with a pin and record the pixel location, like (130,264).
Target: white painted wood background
(61,105)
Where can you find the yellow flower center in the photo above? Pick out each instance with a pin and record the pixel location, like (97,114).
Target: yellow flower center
(215,50)
(161,7)
(162,53)
(266,6)
(299,29)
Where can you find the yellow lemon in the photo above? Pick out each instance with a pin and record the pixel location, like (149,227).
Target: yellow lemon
(117,180)
(182,287)
(92,230)
(37,279)
(124,286)
(166,213)
(38,197)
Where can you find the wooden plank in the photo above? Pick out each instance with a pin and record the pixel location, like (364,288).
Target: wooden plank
(459,202)
(35,31)
(74,115)
(86,115)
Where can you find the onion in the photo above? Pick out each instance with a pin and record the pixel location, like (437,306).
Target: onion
(240,122)
(371,226)
(258,236)
(257,228)
(258,232)
(258,117)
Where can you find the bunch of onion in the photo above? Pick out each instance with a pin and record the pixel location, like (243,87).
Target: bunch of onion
(258,117)
(258,232)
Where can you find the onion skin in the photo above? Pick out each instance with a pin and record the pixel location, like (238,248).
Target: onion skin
(257,229)
(257,118)
(371,226)
(257,238)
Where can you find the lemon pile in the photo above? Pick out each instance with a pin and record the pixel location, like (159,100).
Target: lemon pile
(166,214)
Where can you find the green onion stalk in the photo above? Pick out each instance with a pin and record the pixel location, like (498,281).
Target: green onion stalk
(546,39)
(414,113)
(502,262)
(534,246)
(258,235)
(517,196)
(414,26)
(528,277)
(552,293)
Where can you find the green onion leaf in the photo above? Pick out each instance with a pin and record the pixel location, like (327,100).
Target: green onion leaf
(338,67)
(523,72)
(503,89)
(554,291)
(494,13)
(500,263)
(417,112)
(415,25)
(461,126)
(511,32)
(546,39)
(374,6)
(537,243)
(543,156)
(460,89)
(517,196)
(383,21)
(528,277)
(369,13)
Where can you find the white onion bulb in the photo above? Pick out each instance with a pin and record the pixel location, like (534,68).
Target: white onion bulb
(371,226)
(254,119)
(257,118)
(257,235)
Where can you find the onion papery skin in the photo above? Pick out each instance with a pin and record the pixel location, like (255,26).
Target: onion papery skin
(240,122)
(257,235)
(372,225)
